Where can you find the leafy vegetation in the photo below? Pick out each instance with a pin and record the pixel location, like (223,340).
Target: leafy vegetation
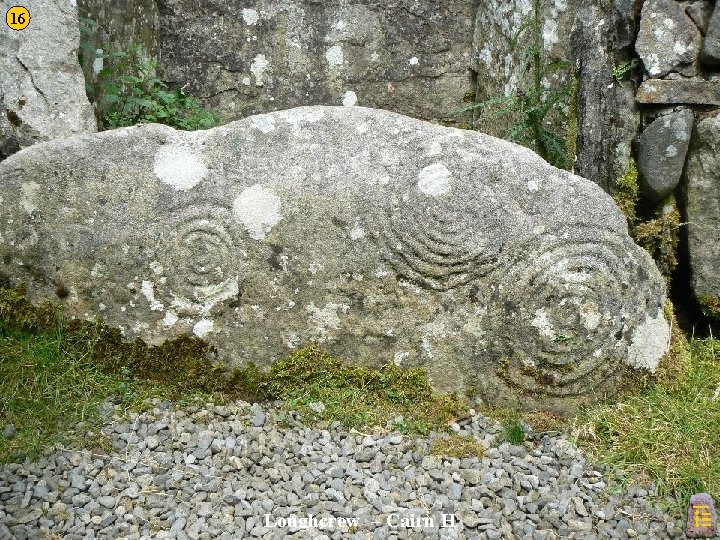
(132,93)
(129,92)
(540,114)
(56,372)
(621,71)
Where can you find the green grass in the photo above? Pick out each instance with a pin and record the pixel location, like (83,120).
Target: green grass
(46,387)
(55,372)
(669,433)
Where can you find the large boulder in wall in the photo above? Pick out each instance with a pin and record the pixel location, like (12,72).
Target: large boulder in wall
(382,238)
(42,88)
(702,201)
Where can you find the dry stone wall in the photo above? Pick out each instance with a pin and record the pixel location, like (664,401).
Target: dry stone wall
(680,95)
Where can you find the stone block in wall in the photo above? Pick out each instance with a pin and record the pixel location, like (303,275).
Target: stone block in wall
(661,151)
(710,53)
(703,210)
(607,115)
(700,12)
(409,57)
(42,88)
(668,39)
(681,91)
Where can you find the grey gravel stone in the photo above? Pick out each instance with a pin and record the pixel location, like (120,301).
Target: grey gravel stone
(542,493)
(9,431)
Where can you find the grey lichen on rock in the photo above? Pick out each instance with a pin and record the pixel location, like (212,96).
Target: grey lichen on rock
(662,148)
(668,39)
(42,88)
(382,238)
(710,53)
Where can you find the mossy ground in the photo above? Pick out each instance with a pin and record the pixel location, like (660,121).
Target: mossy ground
(56,372)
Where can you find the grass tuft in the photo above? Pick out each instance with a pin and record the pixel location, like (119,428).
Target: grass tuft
(457,446)
(669,433)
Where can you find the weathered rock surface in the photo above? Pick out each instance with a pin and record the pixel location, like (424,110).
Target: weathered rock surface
(381,237)
(608,118)
(703,208)
(661,151)
(670,92)
(668,39)
(42,89)
(710,53)
(243,59)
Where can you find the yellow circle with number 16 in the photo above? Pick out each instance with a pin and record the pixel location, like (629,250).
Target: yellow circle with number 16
(17,18)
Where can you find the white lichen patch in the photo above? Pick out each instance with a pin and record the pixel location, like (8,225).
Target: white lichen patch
(263,122)
(148,291)
(250,16)
(292,340)
(179,166)
(259,65)
(671,151)
(590,317)
(170,318)
(203,327)
(426,346)
(325,319)
(156,267)
(399,357)
(357,232)
(349,99)
(28,199)
(413,61)
(532,186)
(258,209)
(334,56)
(543,324)
(649,344)
(434,180)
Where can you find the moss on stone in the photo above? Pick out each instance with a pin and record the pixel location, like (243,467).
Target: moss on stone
(710,305)
(627,193)
(660,236)
(357,396)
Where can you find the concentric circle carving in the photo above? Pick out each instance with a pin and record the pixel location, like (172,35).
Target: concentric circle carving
(565,305)
(437,243)
(199,253)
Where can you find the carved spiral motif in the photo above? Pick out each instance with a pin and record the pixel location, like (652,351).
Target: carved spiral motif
(438,247)
(566,305)
(198,252)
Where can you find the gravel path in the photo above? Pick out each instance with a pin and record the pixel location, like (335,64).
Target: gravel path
(231,472)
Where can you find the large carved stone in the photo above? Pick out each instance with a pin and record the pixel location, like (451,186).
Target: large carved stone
(383,238)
